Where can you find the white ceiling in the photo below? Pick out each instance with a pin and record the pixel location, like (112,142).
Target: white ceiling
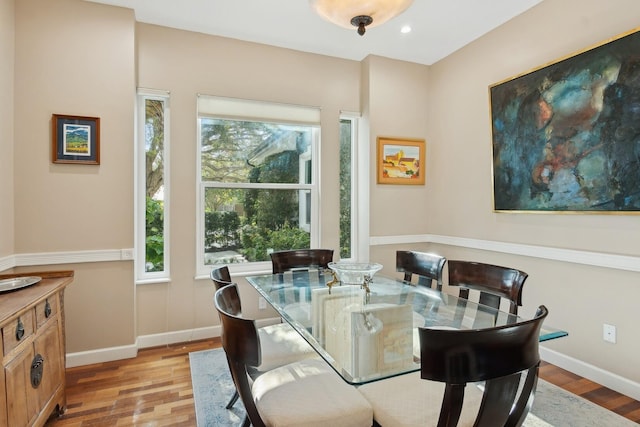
(440,27)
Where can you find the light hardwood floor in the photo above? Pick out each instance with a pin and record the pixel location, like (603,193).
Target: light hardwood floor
(154,389)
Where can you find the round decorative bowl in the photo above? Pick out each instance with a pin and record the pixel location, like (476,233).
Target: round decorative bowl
(354,273)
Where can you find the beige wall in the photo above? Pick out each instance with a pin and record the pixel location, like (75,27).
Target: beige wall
(75,57)
(187,64)
(7,53)
(82,58)
(580,298)
(397,107)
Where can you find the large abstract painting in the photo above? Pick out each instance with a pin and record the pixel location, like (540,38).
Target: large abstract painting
(566,136)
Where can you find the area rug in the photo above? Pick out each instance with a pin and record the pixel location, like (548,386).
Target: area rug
(552,407)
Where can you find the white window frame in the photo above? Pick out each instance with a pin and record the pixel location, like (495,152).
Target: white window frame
(143,276)
(304,197)
(240,109)
(359,189)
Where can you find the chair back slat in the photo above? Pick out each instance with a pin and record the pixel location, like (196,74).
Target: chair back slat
(498,356)
(301,259)
(470,355)
(428,267)
(493,282)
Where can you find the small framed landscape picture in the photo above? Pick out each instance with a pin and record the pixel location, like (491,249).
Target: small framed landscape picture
(76,139)
(401,161)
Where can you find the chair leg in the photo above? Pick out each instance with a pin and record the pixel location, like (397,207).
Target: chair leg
(233,400)
(246,422)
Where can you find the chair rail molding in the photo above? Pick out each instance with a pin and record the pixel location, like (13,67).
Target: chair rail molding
(69,257)
(598,259)
(7,262)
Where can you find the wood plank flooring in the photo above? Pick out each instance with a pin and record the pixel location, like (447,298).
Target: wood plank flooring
(154,389)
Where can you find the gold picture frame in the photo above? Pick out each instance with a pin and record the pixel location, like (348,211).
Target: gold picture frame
(564,136)
(401,161)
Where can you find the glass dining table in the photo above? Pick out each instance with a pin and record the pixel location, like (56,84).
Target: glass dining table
(368,336)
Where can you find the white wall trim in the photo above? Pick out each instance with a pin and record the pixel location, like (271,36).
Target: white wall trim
(101,355)
(71,257)
(597,259)
(7,262)
(600,376)
(146,341)
(174,337)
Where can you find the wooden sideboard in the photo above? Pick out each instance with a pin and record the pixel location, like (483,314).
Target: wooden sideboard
(33,350)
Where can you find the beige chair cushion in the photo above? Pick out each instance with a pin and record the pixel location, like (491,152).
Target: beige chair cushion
(280,345)
(309,393)
(409,401)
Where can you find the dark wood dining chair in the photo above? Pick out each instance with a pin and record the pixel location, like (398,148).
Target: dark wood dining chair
(428,267)
(301,259)
(301,263)
(493,281)
(281,343)
(443,394)
(221,274)
(303,393)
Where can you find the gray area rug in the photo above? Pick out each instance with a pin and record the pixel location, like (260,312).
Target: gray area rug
(212,388)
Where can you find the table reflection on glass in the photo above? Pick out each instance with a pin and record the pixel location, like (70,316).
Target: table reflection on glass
(369,338)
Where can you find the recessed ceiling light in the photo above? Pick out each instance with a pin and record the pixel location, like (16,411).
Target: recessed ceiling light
(405,29)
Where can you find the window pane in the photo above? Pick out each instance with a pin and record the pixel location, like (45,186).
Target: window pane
(154,174)
(236,151)
(246,225)
(345,188)
(257,180)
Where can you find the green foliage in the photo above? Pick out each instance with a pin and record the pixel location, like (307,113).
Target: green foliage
(262,219)
(221,230)
(258,242)
(270,209)
(154,243)
(345,189)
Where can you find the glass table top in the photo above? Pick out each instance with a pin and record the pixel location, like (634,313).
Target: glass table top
(370,336)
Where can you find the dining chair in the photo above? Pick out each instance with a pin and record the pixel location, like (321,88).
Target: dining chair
(300,259)
(502,360)
(301,262)
(494,282)
(303,393)
(428,267)
(281,344)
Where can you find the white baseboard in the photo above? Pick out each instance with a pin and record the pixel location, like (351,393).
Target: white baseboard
(593,373)
(101,355)
(146,341)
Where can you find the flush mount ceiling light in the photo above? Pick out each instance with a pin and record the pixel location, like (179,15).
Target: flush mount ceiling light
(359,13)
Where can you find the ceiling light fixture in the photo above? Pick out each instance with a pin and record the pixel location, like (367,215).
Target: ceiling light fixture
(359,13)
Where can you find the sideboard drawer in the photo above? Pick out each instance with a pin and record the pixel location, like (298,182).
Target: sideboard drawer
(16,331)
(46,310)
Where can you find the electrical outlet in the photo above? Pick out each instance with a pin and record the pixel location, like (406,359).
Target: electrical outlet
(126,254)
(262,303)
(609,333)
